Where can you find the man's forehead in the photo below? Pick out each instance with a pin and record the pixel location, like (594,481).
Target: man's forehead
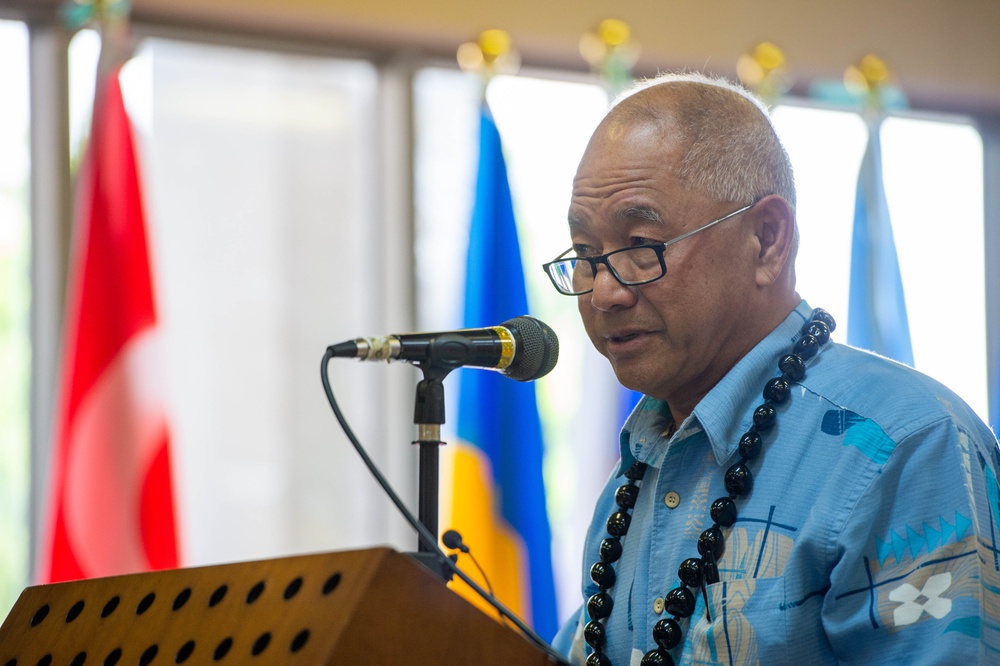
(628,140)
(620,128)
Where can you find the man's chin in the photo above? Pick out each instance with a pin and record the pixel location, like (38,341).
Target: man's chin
(632,380)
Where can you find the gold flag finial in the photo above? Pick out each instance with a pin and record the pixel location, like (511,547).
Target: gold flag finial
(867,84)
(492,53)
(611,53)
(868,78)
(764,71)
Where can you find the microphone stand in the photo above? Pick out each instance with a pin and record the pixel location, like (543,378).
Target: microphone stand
(431,397)
(428,415)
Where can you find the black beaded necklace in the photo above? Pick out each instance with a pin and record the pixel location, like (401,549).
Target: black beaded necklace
(697,572)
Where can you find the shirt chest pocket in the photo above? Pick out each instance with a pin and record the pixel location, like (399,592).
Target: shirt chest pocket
(748,625)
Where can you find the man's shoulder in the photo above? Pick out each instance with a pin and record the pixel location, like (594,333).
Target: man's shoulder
(898,398)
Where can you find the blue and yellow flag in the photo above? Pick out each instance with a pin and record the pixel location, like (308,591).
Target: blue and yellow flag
(877,309)
(498,502)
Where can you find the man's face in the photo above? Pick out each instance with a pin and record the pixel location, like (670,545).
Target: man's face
(676,337)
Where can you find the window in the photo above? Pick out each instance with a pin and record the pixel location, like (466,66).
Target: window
(15,347)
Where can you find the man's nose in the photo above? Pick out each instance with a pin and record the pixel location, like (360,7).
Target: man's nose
(609,293)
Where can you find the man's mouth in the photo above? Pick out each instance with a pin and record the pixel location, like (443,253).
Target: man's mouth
(625,336)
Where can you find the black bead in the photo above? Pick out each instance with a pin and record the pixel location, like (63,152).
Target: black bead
(611,550)
(750,444)
(656,658)
(763,416)
(679,602)
(819,314)
(739,480)
(711,541)
(691,572)
(599,606)
(667,633)
(776,390)
(806,346)
(723,511)
(636,471)
(594,634)
(818,330)
(618,523)
(793,366)
(626,495)
(598,659)
(602,574)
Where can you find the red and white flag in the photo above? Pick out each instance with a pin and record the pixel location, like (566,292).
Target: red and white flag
(111,508)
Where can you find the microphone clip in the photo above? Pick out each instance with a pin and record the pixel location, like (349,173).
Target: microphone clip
(429,400)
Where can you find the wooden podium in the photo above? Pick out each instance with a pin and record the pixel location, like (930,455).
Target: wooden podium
(359,607)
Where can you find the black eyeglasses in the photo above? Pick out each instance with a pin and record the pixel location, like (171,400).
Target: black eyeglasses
(631,266)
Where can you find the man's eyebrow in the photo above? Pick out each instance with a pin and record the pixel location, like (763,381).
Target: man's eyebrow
(642,212)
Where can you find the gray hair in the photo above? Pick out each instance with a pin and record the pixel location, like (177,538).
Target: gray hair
(732,150)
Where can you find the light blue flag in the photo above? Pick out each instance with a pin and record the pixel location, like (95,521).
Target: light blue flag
(877,310)
(498,417)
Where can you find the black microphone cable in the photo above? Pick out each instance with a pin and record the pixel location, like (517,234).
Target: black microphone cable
(425,536)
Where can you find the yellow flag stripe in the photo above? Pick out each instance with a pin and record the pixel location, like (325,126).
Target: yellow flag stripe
(472,508)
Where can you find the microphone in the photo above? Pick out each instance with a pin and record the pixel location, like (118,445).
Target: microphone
(522,348)
(453,540)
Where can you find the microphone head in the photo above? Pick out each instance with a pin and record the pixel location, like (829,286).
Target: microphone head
(453,540)
(538,349)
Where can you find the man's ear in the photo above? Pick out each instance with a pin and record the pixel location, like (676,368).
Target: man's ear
(774,225)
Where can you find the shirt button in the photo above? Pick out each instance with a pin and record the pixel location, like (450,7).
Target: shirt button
(658,605)
(672,499)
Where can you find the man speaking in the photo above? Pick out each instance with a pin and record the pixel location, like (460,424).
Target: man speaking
(781,499)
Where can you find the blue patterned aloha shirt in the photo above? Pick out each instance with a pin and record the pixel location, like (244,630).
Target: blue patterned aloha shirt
(871,534)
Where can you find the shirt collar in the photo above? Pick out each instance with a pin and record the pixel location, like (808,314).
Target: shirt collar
(640,437)
(724,414)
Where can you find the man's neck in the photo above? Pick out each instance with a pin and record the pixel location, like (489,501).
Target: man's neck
(681,408)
